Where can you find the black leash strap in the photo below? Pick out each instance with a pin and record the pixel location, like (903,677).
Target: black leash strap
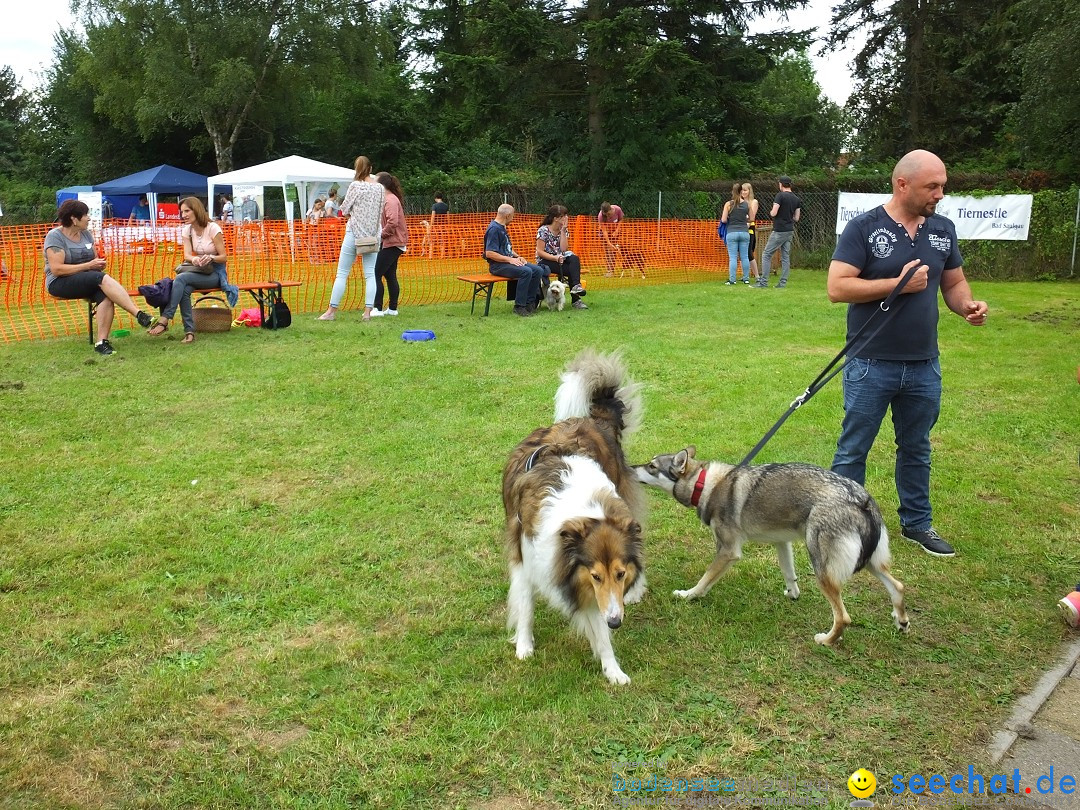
(888,306)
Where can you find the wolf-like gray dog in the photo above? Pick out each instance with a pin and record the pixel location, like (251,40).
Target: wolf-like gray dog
(780,503)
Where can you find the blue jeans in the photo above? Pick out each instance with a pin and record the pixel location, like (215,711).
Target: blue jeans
(344,267)
(738,246)
(528,276)
(182,286)
(778,240)
(913,390)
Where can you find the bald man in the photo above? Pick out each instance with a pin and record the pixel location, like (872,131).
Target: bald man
(503,261)
(899,367)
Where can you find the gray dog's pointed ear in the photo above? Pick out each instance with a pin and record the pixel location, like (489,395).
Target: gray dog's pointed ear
(678,464)
(691,451)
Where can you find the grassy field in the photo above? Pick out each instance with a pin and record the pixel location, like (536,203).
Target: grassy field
(265,570)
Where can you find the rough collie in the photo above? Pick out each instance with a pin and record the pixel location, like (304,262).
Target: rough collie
(574,510)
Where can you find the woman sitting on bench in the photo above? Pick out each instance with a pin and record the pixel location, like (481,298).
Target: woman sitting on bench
(73,270)
(553,256)
(203,267)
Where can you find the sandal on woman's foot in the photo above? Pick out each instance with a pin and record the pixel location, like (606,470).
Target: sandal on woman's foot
(325,317)
(189,337)
(159,328)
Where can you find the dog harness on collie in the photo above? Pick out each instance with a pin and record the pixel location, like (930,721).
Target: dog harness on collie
(531,460)
(886,306)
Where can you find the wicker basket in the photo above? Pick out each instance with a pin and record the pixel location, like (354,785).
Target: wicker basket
(215,316)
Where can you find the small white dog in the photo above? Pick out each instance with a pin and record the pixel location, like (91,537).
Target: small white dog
(555,295)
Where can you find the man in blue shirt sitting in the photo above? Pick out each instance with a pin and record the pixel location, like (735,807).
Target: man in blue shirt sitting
(141,212)
(503,261)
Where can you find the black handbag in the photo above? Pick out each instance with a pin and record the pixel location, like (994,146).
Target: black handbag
(278,315)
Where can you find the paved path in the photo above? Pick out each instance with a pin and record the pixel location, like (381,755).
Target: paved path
(1043,733)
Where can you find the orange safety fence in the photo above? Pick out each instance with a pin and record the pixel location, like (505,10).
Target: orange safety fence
(650,252)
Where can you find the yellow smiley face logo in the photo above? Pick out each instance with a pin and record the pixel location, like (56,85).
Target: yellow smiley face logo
(862,784)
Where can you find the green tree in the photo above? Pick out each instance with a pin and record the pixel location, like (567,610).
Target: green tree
(13,105)
(798,127)
(609,93)
(1046,121)
(74,136)
(225,67)
(933,75)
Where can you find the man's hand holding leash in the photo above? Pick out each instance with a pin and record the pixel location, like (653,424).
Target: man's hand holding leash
(917,283)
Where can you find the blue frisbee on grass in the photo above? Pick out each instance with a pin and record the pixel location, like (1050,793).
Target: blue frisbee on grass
(417,334)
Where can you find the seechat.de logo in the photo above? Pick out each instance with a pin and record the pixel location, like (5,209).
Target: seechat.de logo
(976,783)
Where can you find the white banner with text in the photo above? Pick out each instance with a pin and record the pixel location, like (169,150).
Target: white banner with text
(1006,216)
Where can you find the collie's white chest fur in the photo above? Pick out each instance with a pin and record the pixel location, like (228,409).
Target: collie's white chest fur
(582,485)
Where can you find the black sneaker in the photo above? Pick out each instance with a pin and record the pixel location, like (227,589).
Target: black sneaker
(578,290)
(932,542)
(104,347)
(144,319)
(524,312)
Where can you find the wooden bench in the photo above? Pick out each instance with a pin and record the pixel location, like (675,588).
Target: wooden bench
(484,284)
(264,293)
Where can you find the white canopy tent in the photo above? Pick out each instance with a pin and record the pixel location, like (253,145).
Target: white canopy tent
(302,172)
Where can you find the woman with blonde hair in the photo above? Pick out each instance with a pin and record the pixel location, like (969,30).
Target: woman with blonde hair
(363,206)
(752,249)
(738,213)
(203,267)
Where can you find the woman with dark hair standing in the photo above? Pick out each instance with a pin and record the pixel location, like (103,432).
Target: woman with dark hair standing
(73,270)
(363,206)
(552,253)
(203,267)
(395,239)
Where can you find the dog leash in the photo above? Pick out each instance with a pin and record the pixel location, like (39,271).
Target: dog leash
(886,306)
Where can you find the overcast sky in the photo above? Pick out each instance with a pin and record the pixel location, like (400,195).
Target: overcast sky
(26,38)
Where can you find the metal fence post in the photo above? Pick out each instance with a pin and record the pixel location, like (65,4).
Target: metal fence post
(659,209)
(1076,228)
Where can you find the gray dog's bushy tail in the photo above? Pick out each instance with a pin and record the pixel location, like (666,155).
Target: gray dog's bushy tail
(872,533)
(596,385)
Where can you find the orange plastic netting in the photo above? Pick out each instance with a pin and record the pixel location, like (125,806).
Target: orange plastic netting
(651,252)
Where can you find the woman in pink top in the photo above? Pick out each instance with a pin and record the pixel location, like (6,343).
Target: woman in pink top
(609,221)
(395,239)
(204,264)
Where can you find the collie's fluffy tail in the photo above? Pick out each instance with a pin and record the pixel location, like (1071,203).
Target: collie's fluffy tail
(596,385)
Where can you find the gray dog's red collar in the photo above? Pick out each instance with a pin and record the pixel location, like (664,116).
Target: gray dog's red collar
(698,487)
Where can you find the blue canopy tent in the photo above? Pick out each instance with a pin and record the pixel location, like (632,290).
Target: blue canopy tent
(121,203)
(163,179)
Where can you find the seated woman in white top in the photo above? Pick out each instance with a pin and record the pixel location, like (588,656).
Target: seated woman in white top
(317,212)
(203,267)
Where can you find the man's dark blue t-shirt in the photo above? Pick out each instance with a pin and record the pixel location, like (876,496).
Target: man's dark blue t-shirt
(497,239)
(880,247)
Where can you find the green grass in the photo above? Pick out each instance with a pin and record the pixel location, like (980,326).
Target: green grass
(265,570)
